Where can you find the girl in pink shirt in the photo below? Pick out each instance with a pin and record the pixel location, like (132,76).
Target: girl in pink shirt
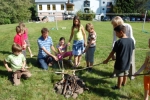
(25,34)
(62,50)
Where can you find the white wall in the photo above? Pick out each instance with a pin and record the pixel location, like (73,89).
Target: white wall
(44,7)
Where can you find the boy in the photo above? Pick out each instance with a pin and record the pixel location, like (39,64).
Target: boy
(91,46)
(123,49)
(17,62)
(44,55)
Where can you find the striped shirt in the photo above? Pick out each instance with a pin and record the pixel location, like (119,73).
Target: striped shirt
(93,37)
(46,43)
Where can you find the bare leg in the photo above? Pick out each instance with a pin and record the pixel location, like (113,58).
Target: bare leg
(31,55)
(146,96)
(120,80)
(124,80)
(75,61)
(79,59)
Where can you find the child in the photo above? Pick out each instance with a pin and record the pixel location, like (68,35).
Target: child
(45,44)
(118,21)
(146,68)
(123,49)
(25,34)
(19,39)
(17,62)
(91,46)
(79,41)
(62,50)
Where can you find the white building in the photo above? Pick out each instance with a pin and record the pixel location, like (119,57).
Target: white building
(56,8)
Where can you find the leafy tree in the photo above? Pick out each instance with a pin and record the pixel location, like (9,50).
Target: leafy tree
(12,11)
(124,6)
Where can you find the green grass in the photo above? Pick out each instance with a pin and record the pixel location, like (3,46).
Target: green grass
(40,85)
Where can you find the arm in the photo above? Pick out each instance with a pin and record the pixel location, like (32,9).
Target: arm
(84,35)
(88,45)
(114,39)
(142,67)
(23,66)
(72,33)
(48,53)
(108,58)
(129,31)
(7,67)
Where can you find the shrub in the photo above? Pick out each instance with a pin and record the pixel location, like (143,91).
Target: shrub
(7,21)
(86,16)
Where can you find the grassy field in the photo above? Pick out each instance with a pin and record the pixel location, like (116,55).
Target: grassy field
(40,85)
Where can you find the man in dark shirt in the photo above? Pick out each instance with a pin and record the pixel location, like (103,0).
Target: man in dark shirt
(123,49)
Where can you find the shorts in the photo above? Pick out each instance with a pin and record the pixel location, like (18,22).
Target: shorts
(121,73)
(78,47)
(147,83)
(27,43)
(89,56)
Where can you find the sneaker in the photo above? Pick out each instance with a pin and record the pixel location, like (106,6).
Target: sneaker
(113,76)
(89,69)
(115,88)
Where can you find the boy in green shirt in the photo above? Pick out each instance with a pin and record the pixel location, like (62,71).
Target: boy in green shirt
(17,62)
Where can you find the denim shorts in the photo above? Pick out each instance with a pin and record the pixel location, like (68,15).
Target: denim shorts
(78,47)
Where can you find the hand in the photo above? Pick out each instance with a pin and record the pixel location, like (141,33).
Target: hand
(135,74)
(55,57)
(24,46)
(68,44)
(23,69)
(85,44)
(105,61)
(9,70)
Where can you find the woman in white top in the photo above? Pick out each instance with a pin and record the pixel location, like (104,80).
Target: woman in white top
(118,21)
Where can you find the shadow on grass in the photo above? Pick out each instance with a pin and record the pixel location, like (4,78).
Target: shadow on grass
(33,62)
(5,52)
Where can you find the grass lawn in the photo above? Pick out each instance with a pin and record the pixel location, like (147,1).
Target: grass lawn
(40,85)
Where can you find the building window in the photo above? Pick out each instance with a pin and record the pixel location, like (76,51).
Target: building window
(103,2)
(54,7)
(62,6)
(86,3)
(48,7)
(103,9)
(40,7)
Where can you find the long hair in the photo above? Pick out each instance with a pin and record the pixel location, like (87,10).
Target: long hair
(74,25)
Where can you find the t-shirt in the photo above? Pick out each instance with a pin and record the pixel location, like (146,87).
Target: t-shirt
(123,48)
(62,49)
(46,43)
(16,62)
(92,36)
(147,67)
(19,39)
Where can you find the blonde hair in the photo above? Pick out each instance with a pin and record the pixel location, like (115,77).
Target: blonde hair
(89,26)
(22,24)
(117,21)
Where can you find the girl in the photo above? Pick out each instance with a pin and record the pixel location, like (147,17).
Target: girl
(146,68)
(79,41)
(25,34)
(62,50)
(91,44)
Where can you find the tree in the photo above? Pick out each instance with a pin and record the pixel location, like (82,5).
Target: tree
(124,6)
(12,11)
